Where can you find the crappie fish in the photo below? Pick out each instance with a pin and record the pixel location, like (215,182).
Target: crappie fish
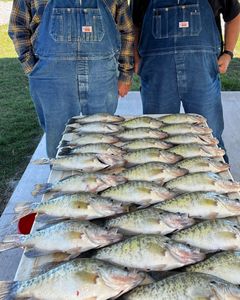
(151,155)
(143,121)
(183,118)
(195,150)
(95,127)
(153,171)
(85,182)
(149,220)
(186,286)
(190,138)
(87,162)
(203,164)
(211,236)
(100,117)
(143,193)
(90,138)
(141,133)
(100,148)
(82,206)
(151,252)
(71,237)
(79,279)
(199,182)
(184,128)
(146,143)
(224,265)
(202,205)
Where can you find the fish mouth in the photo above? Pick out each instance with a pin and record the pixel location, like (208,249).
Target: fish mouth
(222,291)
(179,221)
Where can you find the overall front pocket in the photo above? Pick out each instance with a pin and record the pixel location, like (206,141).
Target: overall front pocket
(76,24)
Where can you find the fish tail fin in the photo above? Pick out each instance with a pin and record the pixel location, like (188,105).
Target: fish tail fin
(41,189)
(10,242)
(41,161)
(72,120)
(7,290)
(22,209)
(65,151)
(63,144)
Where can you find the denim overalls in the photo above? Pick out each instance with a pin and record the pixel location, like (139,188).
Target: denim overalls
(179,46)
(77,46)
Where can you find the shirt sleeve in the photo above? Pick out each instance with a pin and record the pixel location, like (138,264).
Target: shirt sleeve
(125,27)
(231,9)
(20,33)
(138,8)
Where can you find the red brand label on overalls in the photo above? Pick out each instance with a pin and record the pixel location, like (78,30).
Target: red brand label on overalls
(86,28)
(183,24)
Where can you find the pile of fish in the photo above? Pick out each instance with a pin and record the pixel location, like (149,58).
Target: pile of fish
(147,205)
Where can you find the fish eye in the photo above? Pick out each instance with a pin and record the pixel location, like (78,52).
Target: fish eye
(213,282)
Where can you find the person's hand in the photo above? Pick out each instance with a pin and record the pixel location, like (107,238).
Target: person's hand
(123,88)
(223,63)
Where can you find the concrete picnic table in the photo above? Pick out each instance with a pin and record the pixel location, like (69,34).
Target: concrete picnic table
(130,105)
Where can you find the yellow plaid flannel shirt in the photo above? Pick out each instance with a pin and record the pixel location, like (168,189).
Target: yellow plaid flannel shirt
(26,16)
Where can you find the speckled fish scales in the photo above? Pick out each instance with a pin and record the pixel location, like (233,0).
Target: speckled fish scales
(100,117)
(211,235)
(149,220)
(184,128)
(151,252)
(182,118)
(207,181)
(202,205)
(186,286)
(141,133)
(190,138)
(146,143)
(144,121)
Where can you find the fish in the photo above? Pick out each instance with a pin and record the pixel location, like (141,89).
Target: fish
(195,150)
(146,143)
(81,206)
(143,121)
(211,235)
(224,265)
(200,182)
(142,193)
(100,148)
(186,286)
(82,182)
(190,138)
(203,164)
(182,118)
(70,237)
(82,279)
(86,139)
(87,162)
(153,171)
(95,127)
(149,221)
(100,117)
(142,156)
(185,128)
(202,205)
(141,133)
(151,252)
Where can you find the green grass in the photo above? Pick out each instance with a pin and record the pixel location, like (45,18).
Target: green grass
(19,130)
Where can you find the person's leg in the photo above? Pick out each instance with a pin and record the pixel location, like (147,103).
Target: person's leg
(53,87)
(98,86)
(203,94)
(159,89)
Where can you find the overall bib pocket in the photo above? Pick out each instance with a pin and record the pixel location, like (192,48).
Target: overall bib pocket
(176,21)
(76,24)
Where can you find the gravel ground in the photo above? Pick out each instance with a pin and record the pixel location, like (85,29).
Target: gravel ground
(5,10)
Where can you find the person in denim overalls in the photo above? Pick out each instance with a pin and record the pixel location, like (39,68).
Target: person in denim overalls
(77,46)
(179,48)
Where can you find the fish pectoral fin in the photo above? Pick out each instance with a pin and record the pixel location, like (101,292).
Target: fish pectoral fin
(31,253)
(157,249)
(225,235)
(209,202)
(87,277)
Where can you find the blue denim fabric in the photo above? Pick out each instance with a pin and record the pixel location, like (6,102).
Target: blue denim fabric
(180,64)
(76,70)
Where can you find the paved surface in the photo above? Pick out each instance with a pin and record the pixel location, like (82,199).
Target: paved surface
(5,10)
(130,105)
